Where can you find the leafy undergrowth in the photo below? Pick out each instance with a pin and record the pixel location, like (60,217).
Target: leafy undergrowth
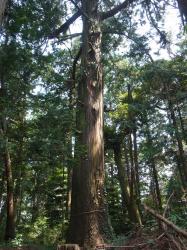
(146,240)
(26,247)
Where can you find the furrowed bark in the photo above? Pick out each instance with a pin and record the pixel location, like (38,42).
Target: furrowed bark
(88,209)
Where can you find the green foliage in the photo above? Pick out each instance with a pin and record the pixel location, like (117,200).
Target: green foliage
(38,103)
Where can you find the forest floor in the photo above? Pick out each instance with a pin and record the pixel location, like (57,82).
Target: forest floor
(145,241)
(154,241)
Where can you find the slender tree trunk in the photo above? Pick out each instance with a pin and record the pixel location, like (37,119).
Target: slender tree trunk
(89,224)
(2,212)
(154,171)
(184,132)
(2,199)
(68,193)
(10,225)
(128,197)
(127,167)
(18,178)
(3,4)
(136,165)
(132,169)
(181,157)
(35,199)
(2,187)
(133,149)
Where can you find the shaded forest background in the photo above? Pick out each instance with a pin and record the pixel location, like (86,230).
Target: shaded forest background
(41,117)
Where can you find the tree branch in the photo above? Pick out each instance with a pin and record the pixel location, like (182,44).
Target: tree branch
(65,26)
(104,15)
(67,37)
(116,9)
(166,221)
(79,9)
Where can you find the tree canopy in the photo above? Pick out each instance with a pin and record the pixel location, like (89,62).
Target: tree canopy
(93,122)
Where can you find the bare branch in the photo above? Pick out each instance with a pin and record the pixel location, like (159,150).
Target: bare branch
(166,221)
(67,37)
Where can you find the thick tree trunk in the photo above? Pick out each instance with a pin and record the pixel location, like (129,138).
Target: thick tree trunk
(128,197)
(89,222)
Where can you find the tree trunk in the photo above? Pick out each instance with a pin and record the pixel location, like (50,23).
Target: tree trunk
(68,192)
(184,132)
(127,167)
(136,166)
(154,171)
(128,197)
(183,10)
(35,199)
(152,164)
(18,177)
(132,169)
(3,4)
(133,149)
(2,188)
(89,224)
(181,157)
(10,225)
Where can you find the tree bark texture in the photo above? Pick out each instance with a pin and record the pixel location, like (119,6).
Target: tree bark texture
(10,224)
(89,224)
